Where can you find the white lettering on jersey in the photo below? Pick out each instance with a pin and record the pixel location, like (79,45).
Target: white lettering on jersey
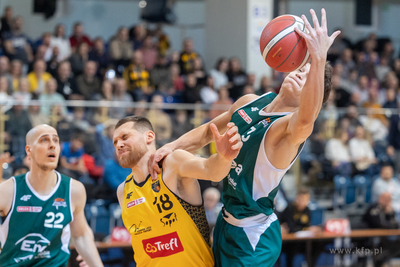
(239,169)
(25,197)
(232,182)
(245,138)
(33,243)
(254,109)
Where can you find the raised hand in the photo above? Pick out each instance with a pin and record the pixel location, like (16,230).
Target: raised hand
(153,167)
(228,145)
(317,39)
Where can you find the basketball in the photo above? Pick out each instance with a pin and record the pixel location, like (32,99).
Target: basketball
(281,47)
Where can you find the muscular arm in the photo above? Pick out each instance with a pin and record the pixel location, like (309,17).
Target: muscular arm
(185,165)
(202,135)
(81,234)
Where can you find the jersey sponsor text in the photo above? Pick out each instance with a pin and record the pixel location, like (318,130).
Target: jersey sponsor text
(135,202)
(163,246)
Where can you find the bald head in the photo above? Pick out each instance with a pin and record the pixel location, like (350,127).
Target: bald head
(37,131)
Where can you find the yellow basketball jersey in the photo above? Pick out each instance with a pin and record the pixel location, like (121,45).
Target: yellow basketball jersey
(165,230)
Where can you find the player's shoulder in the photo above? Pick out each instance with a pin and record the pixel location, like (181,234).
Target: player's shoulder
(6,186)
(177,156)
(243,101)
(78,191)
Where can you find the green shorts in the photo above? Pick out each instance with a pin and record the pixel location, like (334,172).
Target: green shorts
(258,246)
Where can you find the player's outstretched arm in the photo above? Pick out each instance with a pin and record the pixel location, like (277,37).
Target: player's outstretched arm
(217,166)
(81,234)
(199,137)
(318,42)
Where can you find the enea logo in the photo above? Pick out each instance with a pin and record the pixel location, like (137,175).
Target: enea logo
(163,246)
(135,202)
(29,209)
(59,202)
(244,115)
(35,243)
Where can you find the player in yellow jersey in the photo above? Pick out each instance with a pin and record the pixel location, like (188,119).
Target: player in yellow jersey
(165,215)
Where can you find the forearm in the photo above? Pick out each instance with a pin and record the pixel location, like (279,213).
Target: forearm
(194,139)
(216,168)
(87,249)
(313,92)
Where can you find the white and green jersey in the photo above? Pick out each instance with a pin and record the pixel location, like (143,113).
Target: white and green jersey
(252,183)
(36,230)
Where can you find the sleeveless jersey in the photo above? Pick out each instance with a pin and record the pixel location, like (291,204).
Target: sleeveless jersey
(252,183)
(165,230)
(36,230)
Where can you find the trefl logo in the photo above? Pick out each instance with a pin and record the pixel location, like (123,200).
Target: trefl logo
(163,246)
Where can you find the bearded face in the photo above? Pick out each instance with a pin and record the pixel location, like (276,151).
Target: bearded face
(129,157)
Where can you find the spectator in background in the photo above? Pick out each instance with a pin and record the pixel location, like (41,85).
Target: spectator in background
(337,151)
(114,174)
(248,89)
(5,72)
(16,73)
(137,35)
(219,73)
(50,98)
(71,161)
(106,92)
(66,84)
(39,55)
(23,92)
(99,55)
(347,62)
(390,99)
(16,43)
(17,126)
(88,83)
(199,71)
(212,205)
(60,40)
(160,120)
(78,37)
(120,94)
(180,124)
(382,69)
(79,58)
(52,64)
(121,48)
(136,76)
(381,215)
(191,93)
(362,154)
(6,20)
(208,93)
(35,116)
(373,102)
(237,78)
(44,43)
(163,43)
(149,53)
(38,77)
(177,80)
(160,73)
(338,46)
(79,123)
(223,99)
(104,140)
(265,85)
(393,150)
(297,217)
(387,183)
(187,57)
(6,101)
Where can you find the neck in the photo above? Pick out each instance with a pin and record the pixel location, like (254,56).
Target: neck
(42,181)
(141,171)
(279,104)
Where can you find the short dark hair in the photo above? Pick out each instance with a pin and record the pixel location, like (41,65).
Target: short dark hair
(139,123)
(327,81)
(78,135)
(303,191)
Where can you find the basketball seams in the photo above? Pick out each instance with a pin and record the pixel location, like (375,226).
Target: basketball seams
(284,33)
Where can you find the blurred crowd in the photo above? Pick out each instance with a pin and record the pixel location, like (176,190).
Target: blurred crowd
(357,131)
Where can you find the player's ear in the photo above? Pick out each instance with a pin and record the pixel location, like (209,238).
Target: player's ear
(28,150)
(150,137)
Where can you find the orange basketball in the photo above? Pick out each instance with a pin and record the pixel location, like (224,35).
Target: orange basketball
(281,47)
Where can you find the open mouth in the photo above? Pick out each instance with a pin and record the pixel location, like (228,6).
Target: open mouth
(51,155)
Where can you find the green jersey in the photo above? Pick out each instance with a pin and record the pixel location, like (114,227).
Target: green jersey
(36,231)
(252,183)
